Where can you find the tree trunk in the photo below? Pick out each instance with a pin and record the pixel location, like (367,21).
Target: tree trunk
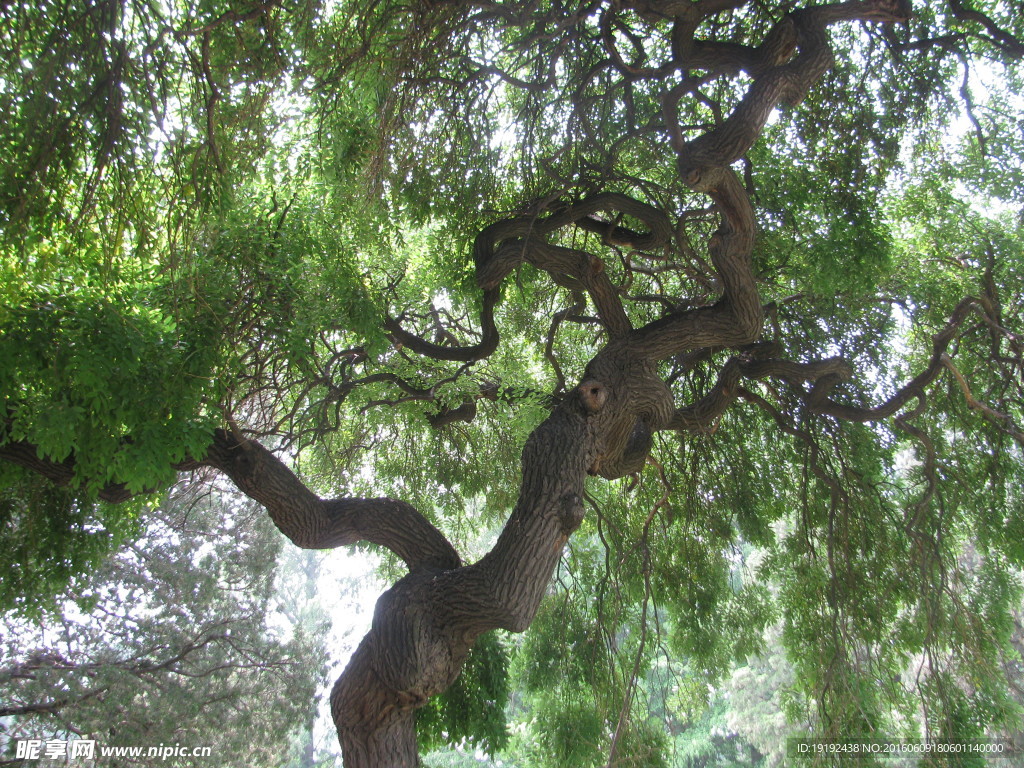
(425,625)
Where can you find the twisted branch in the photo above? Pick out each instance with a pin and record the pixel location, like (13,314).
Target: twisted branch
(306,519)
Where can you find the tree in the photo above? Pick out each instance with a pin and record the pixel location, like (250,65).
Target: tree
(724,242)
(168,643)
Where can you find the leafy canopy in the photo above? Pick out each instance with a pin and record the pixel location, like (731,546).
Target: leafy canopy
(211,211)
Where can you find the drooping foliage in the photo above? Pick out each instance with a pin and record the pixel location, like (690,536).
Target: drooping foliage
(267,219)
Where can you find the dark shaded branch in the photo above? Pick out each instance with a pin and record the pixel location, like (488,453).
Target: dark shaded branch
(735,320)
(818,401)
(806,31)
(315,523)
(826,374)
(506,244)
(484,348)
(60,473)
(1006,42)
(307,520)
(502,246)
(466,411)
(573,269)
(701,415)
(53,705)
(704,166)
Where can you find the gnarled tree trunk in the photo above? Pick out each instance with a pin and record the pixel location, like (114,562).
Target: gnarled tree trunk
(425,625)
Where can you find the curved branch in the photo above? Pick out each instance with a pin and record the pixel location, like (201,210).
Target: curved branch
(484,348)
(818,401)
(315,523)
(704,166)
(735,320)
(307,520)
(806,31)
(700,416)
(1002,420)
(826,374)
(504,245)
(61,473)
(999,37)
(573,269)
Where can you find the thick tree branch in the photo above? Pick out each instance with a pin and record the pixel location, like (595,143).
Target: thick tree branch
(701,415)
(503,246)
(315,523)
(736,319)
(826,374)
(704,166)
(61,473)
(307,520)
(806,30)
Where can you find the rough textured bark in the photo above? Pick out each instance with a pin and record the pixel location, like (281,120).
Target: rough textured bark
(426,624)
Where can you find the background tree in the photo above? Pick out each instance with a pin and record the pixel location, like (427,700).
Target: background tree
(756,264)
(300,602)
(170,641)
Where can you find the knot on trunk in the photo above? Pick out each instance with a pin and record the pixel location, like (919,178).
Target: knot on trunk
(593,395)
(571,514)
(626,402)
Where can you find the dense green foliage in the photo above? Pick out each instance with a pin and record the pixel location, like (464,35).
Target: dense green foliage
(209,209)
(472,710)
